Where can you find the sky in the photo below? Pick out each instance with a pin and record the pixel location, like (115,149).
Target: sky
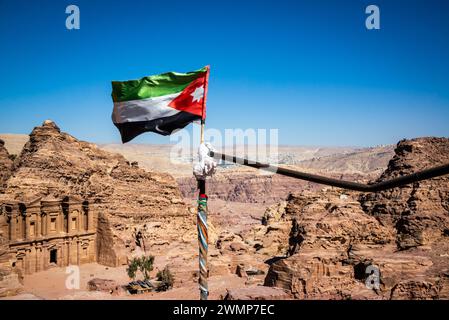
(310,69)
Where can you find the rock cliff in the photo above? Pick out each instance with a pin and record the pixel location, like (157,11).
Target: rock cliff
(419,212)
(128,201)
(9,280)
(5,164)
(386,245)
(254,186)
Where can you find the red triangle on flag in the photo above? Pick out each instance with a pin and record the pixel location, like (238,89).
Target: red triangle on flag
(191,98)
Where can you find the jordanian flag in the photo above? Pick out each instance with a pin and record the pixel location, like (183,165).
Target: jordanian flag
(162,103)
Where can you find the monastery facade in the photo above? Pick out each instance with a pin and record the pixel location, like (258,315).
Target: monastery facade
(49,232)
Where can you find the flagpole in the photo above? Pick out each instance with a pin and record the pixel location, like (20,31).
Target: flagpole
(202,214)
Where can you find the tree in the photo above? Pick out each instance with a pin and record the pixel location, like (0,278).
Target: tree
(146,266)
(167,279)
(133,265)
(143,264)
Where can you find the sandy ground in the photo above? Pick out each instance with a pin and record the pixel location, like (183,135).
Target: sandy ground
(181,257)
(51,284)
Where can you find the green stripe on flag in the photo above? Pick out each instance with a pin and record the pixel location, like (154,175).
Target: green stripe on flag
(153,86)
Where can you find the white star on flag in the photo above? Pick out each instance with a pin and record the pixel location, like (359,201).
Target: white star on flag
(198,94)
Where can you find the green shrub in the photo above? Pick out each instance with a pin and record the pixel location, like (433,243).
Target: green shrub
(146,266)
(143,264)
(167,279)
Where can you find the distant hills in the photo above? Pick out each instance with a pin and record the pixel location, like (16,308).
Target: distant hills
(324,159)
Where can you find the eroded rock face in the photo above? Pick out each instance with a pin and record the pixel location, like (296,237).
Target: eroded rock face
(271,237)
(97,284)
(9,280)
(126,199)
(258,293)
(336,240)
(5,164)
(254,186)
(325,228)
(419,212)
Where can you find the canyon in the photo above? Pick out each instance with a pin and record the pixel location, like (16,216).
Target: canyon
(270,237)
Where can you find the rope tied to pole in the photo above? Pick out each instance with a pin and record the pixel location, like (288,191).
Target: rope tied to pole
(375,187)
(205,167)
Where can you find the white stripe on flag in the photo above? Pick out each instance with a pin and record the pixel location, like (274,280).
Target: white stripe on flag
(144,110)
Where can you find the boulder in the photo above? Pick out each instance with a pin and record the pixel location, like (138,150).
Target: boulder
(257,293)
(97,284)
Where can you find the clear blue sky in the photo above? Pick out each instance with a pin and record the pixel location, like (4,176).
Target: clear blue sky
(309,68)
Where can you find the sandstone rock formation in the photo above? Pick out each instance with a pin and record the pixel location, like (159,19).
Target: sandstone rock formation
(257,293)
(247,187)
(9,280)
(387,245)
(102,285)
(318,244)
(135,209)
(420,212)
(5,164)
(270,238)
(254,186)
(324,229)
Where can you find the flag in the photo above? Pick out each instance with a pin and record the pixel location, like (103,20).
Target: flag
(161,103)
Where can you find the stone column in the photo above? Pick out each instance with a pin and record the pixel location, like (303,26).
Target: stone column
(38,228)
(60,256)
(69,218)
(45,258)
(24,226)
(68,228)
(19,227)
(27,261)
(78,252)
(48,224)
(32,259)
(85,222)
(43,224)
(38,258)
(60,223)
(79,220)
(13,227)
(66,253)
(90,220)
(27,226)
(69,258)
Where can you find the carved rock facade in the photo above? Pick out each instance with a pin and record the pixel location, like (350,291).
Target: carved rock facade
(47,232)
(66,201)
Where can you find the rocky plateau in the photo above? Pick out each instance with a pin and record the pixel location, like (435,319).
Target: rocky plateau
(270,237)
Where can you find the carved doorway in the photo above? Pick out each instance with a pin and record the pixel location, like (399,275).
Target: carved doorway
(54,256)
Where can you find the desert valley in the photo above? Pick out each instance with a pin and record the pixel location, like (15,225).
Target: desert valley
(68,202)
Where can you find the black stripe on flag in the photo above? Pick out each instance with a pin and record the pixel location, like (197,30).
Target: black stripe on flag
(164,126)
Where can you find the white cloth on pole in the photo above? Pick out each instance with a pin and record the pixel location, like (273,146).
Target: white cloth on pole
(206,165)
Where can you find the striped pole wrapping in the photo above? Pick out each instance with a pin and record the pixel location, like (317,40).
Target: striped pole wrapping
(203,244)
